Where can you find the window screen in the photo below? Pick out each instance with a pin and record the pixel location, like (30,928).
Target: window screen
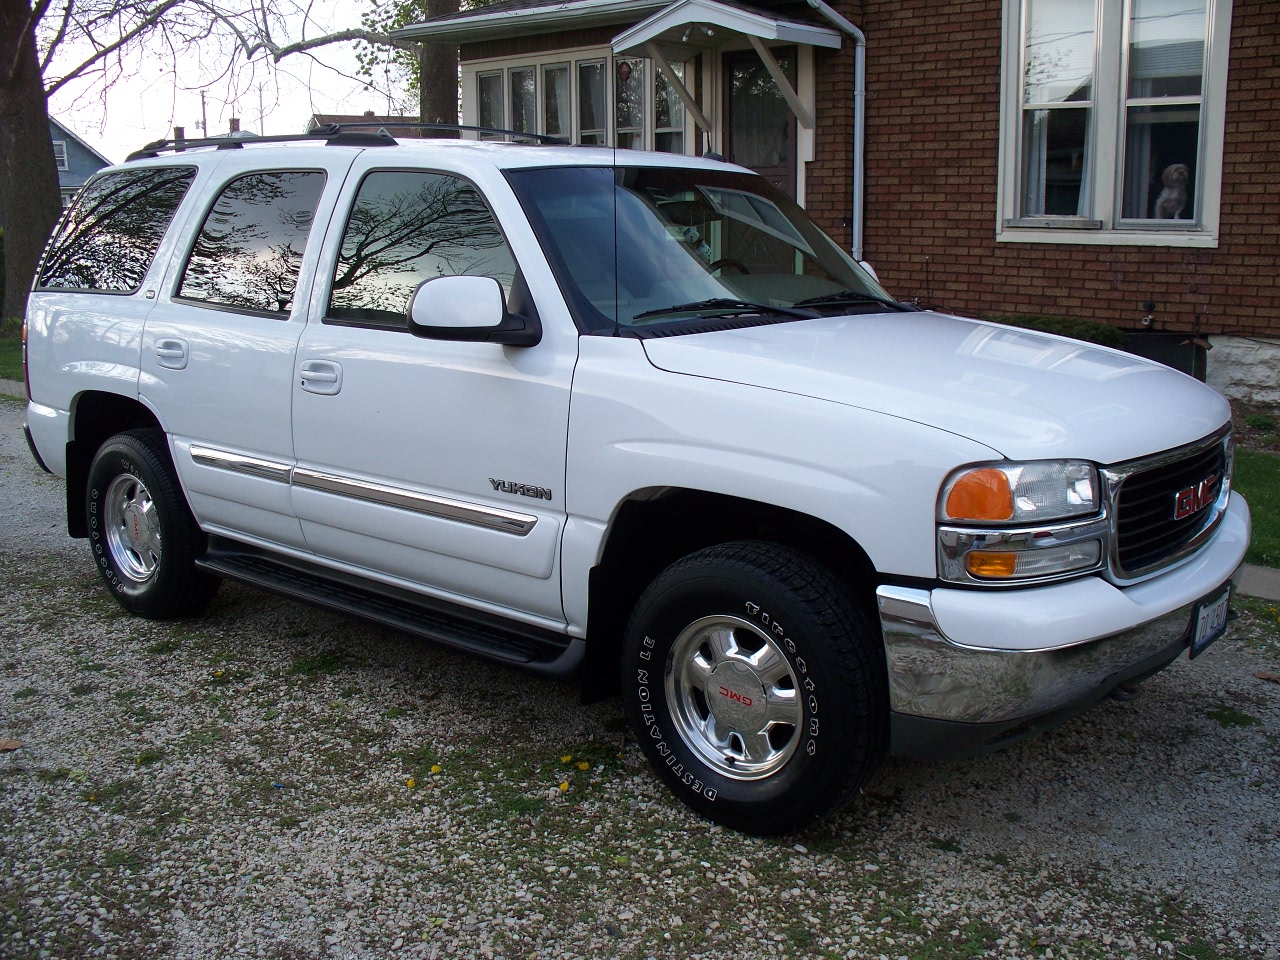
(406,227)
(111,234)
(249,250)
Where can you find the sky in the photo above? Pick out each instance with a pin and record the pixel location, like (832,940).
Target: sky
(146,104)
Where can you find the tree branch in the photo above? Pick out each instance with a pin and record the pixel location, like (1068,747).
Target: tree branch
(131,34)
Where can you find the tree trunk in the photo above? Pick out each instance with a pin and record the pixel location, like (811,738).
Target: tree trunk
(438,75)
(29,193)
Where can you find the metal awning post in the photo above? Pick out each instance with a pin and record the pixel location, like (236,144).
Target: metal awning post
(784,85)
(651,49)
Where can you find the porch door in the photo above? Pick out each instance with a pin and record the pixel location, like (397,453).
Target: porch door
(760,129)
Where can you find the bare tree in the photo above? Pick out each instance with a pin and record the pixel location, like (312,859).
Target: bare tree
(46,44)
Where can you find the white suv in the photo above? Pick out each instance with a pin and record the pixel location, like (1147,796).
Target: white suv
(627,416)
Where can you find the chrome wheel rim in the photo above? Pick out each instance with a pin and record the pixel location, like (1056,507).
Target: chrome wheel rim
(733,697)
(132,528)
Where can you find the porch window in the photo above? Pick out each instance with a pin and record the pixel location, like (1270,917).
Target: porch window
(628,97)
(593,114)
(489,100)
(668,113)
(1112,126)
(555,95)
(595,99)
(524,100)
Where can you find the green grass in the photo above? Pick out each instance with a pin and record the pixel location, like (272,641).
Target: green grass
(10,358)
(1257,476)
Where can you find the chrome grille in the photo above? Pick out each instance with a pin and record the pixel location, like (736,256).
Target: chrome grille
(1166,506)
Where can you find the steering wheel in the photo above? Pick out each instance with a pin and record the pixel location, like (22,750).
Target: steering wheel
(728,262)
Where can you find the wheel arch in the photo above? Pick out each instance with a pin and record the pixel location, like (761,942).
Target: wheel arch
(96,416)
(654,527)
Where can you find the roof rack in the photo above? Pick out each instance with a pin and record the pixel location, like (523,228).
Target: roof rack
(333,134)
(462,127)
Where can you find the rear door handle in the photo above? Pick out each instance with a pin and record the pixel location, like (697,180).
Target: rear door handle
(320,376)
(172,353)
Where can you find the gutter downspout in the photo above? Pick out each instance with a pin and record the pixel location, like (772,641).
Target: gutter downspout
(859,113)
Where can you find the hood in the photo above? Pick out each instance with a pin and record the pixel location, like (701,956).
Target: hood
(1025,394)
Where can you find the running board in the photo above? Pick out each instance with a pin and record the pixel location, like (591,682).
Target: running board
(493,638)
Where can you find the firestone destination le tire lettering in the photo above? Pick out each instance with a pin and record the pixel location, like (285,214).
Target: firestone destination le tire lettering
(756,686)
(143,536)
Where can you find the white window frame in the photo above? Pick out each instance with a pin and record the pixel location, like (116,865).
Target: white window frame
(1105,224)
(60,155)
(473,69)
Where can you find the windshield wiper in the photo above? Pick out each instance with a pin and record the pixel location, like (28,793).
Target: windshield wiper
(723,306)
(852,296)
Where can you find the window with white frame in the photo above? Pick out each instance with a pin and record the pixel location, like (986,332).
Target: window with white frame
(60,154)
(1112,120)
(589,97)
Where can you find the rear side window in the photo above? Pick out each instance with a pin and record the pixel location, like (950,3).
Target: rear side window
(406,227)
(249,250)
(111,234)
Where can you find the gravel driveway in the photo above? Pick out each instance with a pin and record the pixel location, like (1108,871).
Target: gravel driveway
(275,781)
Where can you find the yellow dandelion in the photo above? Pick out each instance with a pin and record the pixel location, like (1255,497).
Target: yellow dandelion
(566,758)
(435,768)
(564,787)
(411,783)
(583,765)
(217,673)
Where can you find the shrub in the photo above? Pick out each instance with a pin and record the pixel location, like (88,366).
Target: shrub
(1088,330)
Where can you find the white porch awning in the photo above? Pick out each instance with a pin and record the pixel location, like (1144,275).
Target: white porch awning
(687,28)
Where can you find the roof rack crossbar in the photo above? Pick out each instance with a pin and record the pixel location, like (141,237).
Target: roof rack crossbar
(370,134)
(461,127)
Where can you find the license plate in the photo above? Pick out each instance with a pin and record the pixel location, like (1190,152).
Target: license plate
(1210,622)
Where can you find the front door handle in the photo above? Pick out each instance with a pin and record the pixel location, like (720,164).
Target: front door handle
(172,353)
(320,376)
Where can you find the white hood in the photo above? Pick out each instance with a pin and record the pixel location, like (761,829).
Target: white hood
(1028,395)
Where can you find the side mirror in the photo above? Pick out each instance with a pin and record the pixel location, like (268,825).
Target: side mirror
(870,269)
(468,308)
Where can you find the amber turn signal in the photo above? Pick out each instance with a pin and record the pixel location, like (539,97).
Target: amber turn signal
(982,494)
(980,564)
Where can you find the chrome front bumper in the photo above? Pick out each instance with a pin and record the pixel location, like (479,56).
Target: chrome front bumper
(974,670)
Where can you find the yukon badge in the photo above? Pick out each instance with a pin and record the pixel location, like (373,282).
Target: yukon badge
(520,489)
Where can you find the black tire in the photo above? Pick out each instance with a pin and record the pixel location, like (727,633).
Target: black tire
(143,536)
(763,618)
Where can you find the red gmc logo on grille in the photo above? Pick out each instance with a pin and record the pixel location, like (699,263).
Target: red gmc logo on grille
(1193,499)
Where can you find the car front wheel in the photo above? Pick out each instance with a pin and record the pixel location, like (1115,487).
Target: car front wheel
(756,686)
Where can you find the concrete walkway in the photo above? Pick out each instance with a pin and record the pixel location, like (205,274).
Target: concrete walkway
(1261,582)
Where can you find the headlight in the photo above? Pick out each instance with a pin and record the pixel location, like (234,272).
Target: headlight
(1013,522)
(1010,492)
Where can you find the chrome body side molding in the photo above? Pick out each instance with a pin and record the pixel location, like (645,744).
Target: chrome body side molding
(492,518)
(239,463)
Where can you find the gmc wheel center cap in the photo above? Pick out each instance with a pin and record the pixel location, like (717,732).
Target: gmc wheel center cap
(735,696)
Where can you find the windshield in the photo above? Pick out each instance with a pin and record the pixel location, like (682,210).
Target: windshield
(671,249)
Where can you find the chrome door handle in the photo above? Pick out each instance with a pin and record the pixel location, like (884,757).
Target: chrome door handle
(320,376)
(172,353)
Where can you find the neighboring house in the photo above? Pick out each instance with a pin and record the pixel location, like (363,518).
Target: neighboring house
(76,160)
(1112,160)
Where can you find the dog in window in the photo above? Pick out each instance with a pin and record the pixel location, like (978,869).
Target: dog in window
(1173,198)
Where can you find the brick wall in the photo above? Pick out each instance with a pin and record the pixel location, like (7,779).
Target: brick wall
(933,73)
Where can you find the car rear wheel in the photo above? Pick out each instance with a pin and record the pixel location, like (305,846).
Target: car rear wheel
(142,533)
(756,686)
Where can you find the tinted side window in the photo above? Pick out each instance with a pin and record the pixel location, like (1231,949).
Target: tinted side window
(111,234)
(406,227)
(249,250)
